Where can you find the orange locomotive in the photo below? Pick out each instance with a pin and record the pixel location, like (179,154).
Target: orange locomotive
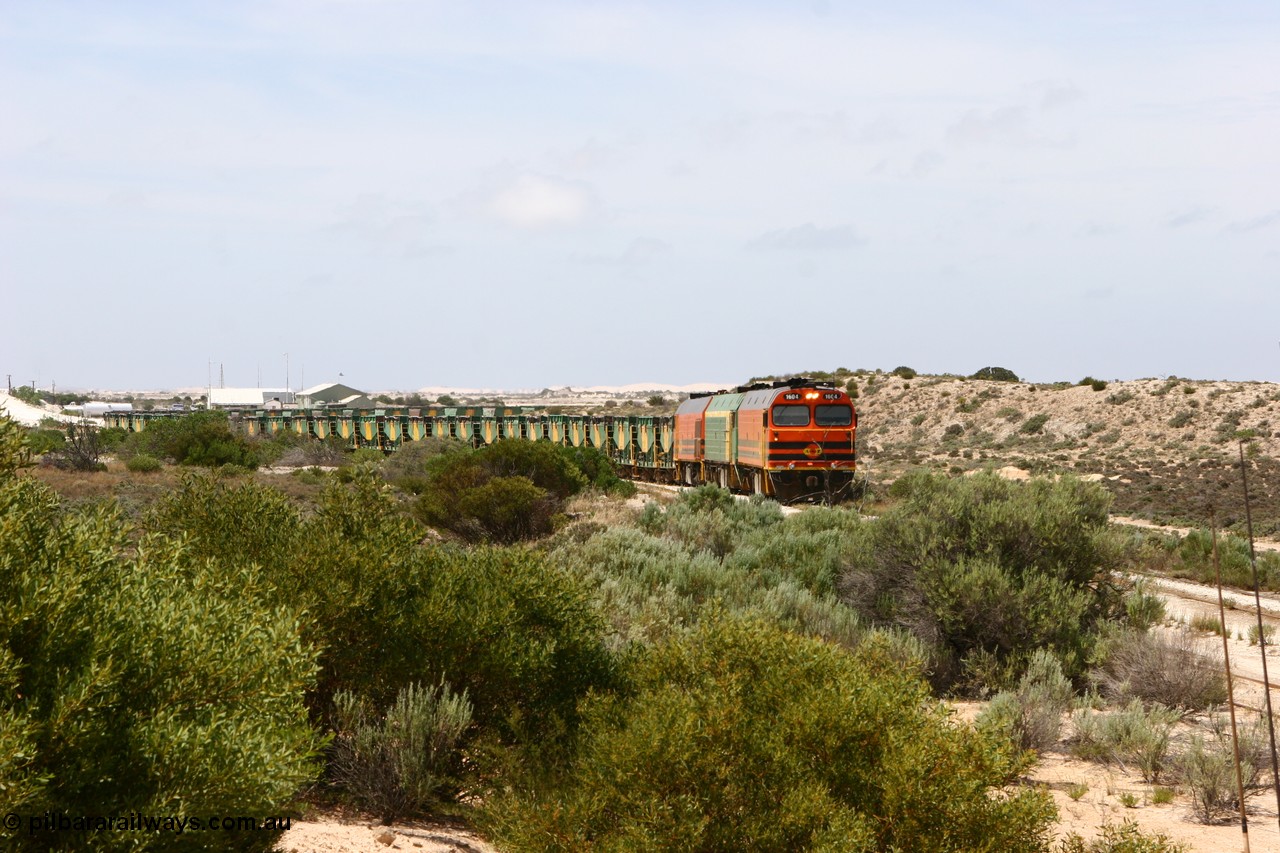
(792,440)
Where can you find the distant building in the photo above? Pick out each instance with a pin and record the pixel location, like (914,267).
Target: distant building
(333,395)
(248,398)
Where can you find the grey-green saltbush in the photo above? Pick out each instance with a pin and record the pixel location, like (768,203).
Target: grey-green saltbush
(1031,716)
(1168,670)
(406,761)
(1206,766)
(1135,736)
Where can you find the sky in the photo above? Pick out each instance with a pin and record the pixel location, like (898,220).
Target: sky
(511,195)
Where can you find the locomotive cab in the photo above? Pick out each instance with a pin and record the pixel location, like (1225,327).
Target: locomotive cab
(809,440)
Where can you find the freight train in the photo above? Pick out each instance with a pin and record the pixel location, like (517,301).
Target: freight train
(792,440)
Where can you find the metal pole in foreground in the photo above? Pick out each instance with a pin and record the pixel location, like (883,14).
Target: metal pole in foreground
(1262,637)
(1231,694)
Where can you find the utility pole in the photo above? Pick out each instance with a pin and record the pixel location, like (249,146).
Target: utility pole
(286,371)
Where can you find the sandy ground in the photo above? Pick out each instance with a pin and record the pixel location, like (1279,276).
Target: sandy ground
(334,835)
(29,415)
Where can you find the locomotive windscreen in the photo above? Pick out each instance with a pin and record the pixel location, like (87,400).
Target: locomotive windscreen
(790,415)
(833,415)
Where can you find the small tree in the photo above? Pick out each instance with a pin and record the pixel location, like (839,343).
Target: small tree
(996,374)
(81,451)
(657,400)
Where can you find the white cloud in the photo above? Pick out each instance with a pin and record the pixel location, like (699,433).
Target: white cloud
(534,201)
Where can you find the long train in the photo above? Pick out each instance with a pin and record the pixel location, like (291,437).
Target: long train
(792,440)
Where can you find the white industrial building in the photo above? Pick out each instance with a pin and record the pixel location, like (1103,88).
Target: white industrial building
(249,398)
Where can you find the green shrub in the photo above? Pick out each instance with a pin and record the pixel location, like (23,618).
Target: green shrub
(1119,398)
(43,441)
(1268,632)
(1195,560)
(989,570)
(506,491)
(1181,419)
(28,394)
(202,438)
(517,634)
(143,463)
(904,372)
(408,760)
(751,738)
(710,519)
(996,374)
(1208,624)
(1145,610)
(1127,838)
(111,438)
(1034,424)
(140,677)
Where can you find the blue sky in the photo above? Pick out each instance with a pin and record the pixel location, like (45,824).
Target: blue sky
(510,195)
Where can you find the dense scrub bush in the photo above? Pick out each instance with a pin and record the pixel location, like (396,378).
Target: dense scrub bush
(751,738)
(1193,558)
(1031,716)
(517,634)
(406,761)
(407,467)
(904,372)
(1168,669)
(202,438)
(988,571)
(110,438)
(45,440)
(509,490)
(139,677)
